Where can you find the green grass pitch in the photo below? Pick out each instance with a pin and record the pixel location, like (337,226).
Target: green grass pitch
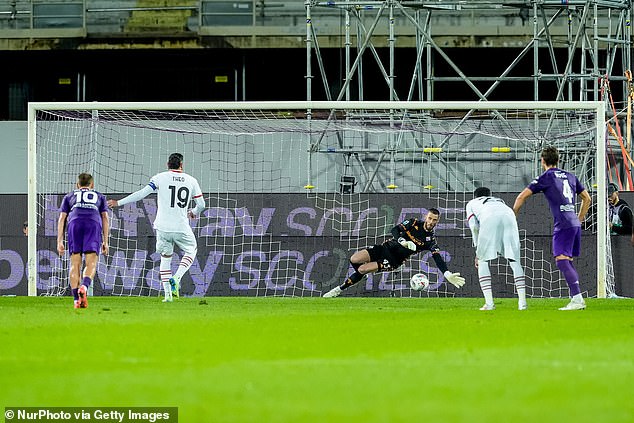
(323,360)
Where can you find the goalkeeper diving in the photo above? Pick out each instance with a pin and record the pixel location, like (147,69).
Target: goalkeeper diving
(409,237)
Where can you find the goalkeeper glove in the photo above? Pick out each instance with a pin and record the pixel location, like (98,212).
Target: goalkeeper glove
(407,244)
(454,278)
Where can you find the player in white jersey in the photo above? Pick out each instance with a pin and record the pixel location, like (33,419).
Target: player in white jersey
(175,191)
(494,231)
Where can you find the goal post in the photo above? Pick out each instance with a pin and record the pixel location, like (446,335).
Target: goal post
(32,200)
(359,166)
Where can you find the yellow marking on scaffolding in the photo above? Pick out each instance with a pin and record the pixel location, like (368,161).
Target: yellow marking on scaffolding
(432,150)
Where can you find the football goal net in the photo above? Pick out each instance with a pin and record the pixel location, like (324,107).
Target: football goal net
(292,189)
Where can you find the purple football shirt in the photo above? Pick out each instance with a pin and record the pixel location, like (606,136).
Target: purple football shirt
(561,189)
(84,207)
(84,204)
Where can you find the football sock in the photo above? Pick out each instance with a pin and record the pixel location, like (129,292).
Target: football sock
(75,293)
(185,264)
(167,288)
(166,273)
(571,276)
(355,266)
(351,280)
(520,282)
(484,275)
(87,281)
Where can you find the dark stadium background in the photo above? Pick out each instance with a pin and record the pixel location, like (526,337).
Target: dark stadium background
(269,75)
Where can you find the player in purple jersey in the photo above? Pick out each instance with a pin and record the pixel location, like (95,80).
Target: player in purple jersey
(561,188)
(85,213)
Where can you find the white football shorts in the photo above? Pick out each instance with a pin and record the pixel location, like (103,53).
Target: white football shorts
(165,242)
(498,235)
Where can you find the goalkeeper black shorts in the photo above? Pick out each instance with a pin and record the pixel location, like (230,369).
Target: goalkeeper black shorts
(390,255)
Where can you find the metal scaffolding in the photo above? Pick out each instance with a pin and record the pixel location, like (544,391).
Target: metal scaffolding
(596,35)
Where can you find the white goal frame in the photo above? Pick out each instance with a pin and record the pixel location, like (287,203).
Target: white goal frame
(597,106)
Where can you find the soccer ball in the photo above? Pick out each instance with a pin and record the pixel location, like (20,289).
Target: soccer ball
(419,282)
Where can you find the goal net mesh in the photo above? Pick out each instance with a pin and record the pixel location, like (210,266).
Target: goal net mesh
(291,193)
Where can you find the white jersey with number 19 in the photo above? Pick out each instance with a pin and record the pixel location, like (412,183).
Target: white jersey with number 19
(176,190)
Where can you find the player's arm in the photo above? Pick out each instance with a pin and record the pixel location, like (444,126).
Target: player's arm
(399,232)
(134,197)
(440,262)
(200,206)
(586,200)
(475,231)
(105,231)
(402,228)
(454,278)
(200,202)
(61,222)
(521,199)
(474,225)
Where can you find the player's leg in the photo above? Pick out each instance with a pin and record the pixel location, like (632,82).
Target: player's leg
(490,241)
(360,262)
(90,268)
(572,279)
(75,238)
(91,233)
(187,242)
(73,277)
(89,274)
(512,252)
(165,248)
(376,258)
(520,283)
(484,276)
(567,244)
(360,271)
(165,272)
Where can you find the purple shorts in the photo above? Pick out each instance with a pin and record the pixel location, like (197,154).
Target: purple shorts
(567,242)
(84,236)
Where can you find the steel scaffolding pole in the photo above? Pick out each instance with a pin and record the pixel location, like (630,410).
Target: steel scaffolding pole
(595,32)
(583,18)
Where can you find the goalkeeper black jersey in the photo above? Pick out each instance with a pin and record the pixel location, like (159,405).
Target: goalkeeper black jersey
(414,230)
